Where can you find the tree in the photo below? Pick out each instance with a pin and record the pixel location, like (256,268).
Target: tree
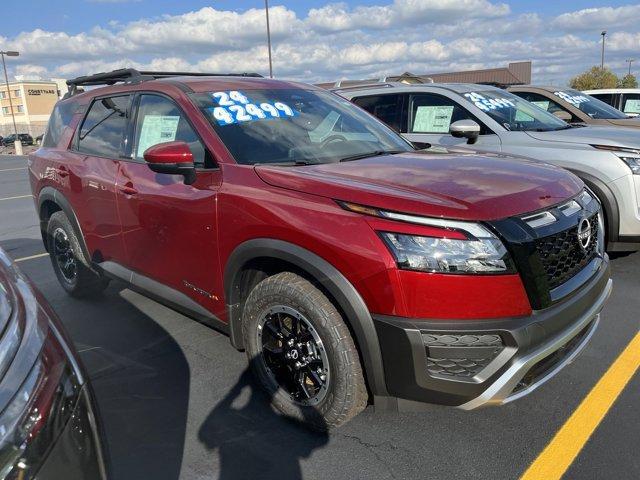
(594,78)
(628,81)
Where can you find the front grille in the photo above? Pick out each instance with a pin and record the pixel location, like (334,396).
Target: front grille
(562,256)
(460,356)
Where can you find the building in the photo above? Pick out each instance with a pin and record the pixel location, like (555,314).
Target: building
(32,100)
(516,73)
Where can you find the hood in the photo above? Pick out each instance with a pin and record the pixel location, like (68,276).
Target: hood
(592,135)
(633,122)
(459,186)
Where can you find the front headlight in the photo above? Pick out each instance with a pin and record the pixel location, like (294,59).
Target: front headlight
(632,162)
(446,255)
(630,156)
(474,248)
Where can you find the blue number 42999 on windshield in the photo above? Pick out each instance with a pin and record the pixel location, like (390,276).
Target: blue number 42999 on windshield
(235,107)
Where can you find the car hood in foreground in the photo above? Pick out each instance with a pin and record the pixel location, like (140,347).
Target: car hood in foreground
(593,135)
(633,122)
(465,187)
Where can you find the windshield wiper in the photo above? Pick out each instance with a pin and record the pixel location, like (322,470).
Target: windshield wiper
(375,153)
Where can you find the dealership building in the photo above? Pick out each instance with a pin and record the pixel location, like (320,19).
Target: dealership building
(515,73)
(32,101)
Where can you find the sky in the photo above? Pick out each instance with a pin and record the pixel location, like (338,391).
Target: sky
(316,40)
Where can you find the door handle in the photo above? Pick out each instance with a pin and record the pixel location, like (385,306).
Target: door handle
(128,189)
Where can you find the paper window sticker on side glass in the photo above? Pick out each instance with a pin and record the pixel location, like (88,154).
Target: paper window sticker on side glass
(632,105)
(432,119)
(157,129)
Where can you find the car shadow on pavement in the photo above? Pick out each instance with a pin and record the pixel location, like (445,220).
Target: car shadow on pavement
(252,440)
(139,374)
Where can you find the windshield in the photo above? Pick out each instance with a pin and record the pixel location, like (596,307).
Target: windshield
(514,113)
(295,126)
(591,106)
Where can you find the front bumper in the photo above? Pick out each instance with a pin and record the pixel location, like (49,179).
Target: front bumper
(469,364)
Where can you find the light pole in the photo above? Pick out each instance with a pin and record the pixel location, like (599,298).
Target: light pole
(266,9)
(604,34)
(630,61)
(17,143)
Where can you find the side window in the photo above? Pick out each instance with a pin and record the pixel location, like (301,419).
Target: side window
(431,113)
(60,119)
(386,108)
(159,120)
(545,103)
(102,131)
(631,103)
(610,98)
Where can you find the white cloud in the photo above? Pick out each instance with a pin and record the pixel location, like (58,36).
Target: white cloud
(594,19)
(339,41)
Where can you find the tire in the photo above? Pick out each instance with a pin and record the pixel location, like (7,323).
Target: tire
(69,263)
(344,393)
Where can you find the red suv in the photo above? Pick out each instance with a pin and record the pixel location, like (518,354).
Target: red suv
(350,266)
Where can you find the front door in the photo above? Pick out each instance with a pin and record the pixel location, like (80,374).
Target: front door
(169,228)
(430,116)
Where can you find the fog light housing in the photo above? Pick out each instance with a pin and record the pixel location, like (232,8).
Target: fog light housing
(460,356)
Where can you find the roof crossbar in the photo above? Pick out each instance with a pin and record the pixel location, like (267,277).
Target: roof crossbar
(131,75)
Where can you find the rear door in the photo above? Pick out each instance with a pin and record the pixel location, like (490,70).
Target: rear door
(92,171)
(169,228)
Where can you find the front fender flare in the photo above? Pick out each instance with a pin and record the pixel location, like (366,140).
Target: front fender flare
(343,292)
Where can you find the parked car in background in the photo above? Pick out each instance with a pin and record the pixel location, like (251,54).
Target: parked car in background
(348,265)
(9,140)
(573,106)
(48,425)
(626,100)
(38,139)
(491,119)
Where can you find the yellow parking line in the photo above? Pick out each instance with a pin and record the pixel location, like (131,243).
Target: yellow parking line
(24,259)
(12,169)
(15,198)
(562,450)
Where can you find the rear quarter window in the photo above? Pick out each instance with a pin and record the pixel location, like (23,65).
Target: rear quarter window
(59,120)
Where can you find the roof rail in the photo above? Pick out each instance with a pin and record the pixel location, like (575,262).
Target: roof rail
(131,75)
(363,85)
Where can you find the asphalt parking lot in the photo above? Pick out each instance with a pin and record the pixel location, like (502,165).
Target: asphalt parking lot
(175,402)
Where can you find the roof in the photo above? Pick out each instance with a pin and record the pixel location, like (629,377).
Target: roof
(404,87)
(613,90)
(130,79)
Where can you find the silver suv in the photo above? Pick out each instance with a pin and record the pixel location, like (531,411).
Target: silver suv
(491,119)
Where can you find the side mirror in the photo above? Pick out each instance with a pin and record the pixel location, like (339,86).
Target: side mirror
(174,158)
(563,115)
(421,145)
(465,129)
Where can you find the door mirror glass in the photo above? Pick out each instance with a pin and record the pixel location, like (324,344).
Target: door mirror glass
(468,129)
(174,158)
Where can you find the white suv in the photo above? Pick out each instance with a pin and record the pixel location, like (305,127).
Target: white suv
(626,100)
(491,119)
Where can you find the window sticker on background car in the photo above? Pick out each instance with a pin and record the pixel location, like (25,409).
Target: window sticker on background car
(235,107)
(572,99)
(157,129)
(543,104)
(632,105)
(433,118)
(487,104)
(522,116)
